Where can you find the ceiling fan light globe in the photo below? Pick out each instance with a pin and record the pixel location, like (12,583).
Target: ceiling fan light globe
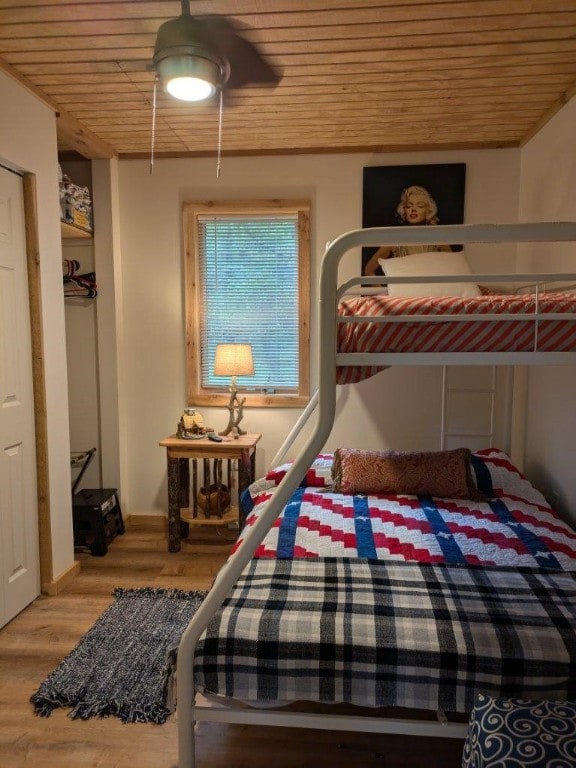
(189,88)
(188,77)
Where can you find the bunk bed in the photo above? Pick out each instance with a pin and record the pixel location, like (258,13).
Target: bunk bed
(265,635)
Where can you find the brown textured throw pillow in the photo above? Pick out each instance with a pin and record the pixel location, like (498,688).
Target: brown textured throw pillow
(443,473)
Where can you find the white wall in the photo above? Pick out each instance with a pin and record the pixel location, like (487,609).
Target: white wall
(548,173)
(28,143)
(398,408)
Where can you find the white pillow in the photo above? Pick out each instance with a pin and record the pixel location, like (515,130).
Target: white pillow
(429,263)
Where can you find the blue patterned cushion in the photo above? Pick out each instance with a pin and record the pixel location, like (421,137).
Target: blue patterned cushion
(511,733)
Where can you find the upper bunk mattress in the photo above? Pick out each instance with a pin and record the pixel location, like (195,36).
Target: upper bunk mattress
(473,334)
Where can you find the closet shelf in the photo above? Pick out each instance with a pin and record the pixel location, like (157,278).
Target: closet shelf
(73,230)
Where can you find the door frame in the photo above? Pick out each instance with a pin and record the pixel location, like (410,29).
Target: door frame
(38,376)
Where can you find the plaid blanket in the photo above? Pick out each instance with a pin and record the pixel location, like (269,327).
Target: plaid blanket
(391,634)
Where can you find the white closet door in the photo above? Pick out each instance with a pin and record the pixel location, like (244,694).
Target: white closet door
(19,554)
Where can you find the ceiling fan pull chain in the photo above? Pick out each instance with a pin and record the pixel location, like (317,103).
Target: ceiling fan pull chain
(220,110)
(153,127)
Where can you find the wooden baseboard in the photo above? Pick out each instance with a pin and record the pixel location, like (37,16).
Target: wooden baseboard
(55,587)
(152,522)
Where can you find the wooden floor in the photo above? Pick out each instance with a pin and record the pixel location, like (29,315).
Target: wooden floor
(36,640)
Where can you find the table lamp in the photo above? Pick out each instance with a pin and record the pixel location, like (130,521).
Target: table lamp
(234,360)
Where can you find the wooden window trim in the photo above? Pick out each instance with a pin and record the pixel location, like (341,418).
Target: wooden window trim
(191,210)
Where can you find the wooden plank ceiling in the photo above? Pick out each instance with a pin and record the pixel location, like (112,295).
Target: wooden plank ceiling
(358,75)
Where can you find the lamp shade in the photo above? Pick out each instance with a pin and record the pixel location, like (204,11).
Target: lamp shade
(233,360)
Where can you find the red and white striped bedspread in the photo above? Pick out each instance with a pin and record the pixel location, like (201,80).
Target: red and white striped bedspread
(556,335)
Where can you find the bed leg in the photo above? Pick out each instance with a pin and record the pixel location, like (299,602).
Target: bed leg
(186,735)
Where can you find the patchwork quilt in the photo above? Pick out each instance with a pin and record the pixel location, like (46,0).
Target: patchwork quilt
(512,526)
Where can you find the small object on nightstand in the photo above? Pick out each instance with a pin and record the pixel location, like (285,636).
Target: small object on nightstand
(191,425)
(214,499)
(214,437)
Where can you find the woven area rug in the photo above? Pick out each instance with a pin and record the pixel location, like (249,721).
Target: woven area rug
(121,666)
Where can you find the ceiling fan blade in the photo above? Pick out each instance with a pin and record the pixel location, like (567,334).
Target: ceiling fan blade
(245,62)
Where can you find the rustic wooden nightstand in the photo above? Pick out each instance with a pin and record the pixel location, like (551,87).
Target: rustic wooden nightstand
(179,452)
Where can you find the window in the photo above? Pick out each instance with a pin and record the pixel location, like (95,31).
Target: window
(248,281)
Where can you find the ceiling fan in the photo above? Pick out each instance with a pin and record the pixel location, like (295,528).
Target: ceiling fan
(197,56)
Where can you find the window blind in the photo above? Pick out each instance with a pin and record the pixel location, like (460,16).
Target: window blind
(248,268)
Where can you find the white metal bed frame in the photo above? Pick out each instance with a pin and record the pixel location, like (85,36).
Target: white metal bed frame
(189,711)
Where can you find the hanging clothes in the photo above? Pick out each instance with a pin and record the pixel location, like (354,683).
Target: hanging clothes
(75,285)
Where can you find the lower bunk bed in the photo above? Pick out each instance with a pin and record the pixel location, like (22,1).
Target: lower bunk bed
(396,598)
